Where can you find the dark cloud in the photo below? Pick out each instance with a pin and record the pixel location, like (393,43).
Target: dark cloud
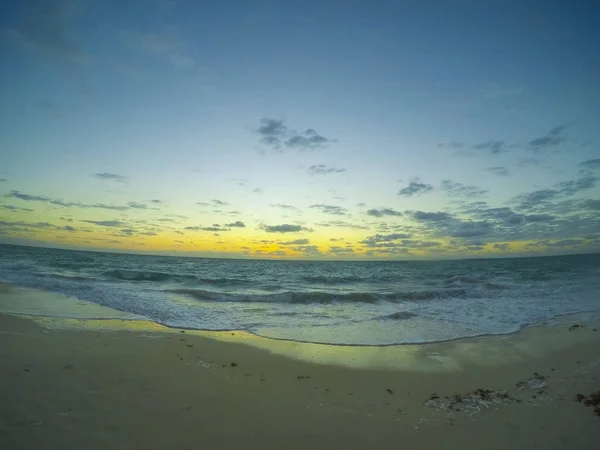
(383,212)
(539,217)
(16,209)
(383,240)
(277,135)
(284,228)
(13,225)
(492,146)
(178,242)
(336,250)
(472,229)
(498,170)
(574,186)
(110,176)
(591,204)
(2,180)
(295,242)
(462,190)
(236,224)
(415,188)
(202,203)
(501,246)
(552,139)
(156,201)
(215,227)
(590,164)
(565,243)
(331,209)
(308,250)
(218,202)
(431,216)
(104,223)
(322,169)
(69,228)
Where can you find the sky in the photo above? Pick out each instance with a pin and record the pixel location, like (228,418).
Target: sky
(301,129)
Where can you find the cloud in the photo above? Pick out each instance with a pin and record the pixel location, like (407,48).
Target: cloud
(283,206)
(415,188)
(295,242)
(218,202)
(471,229)
(322,169)
(462,190)
(528,162)
(57,202)
(342,224)
(257,191)
(6,224)
(539,217)
(45,28)
(501,246)
(236,224)
(565,243)
(135,205)
(214,228)
(110,176)
(591,204)
(16,209)
(494,147)
(331,209)
(430,216)
(284,228)
(498,170)
(277,135)
(338,251)
(574,186)
(379,240)
(383,212)
(167,43)
(156,201)
(590,164)
(105,223)
(552,139)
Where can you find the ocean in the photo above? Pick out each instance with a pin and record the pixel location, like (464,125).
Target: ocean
(344,303)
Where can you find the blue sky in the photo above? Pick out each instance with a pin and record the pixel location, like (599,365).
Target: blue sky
(301,129)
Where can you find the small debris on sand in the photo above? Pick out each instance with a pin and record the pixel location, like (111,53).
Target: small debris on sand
(575,326)
(592,399)
(389,391)
(471,402)
(233,364)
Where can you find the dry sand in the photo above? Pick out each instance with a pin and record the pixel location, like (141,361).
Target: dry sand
(68,383)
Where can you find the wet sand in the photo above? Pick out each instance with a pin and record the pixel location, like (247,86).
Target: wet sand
(70,383)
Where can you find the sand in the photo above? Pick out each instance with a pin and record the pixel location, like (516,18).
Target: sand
(70,383)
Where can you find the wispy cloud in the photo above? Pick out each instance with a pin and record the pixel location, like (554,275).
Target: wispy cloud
(278,136)
(498,170)
(236,224)
(284,228)
(295,242)
(110,176)
(457,189)
(415,188)
(492,146)
(16,209)
(105,223)
(322,169)
(331,209)
(167,43)
(430,216)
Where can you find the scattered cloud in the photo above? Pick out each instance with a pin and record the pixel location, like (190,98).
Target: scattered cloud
(16,209)
(472,229)
(574,186)
(552,139)
(430,216)
(492,146)
(217,202)
(383,212)
(284,228)
(236,224)
(110,176)
(322,169)
(415,188)
(278,136)
(452,144)
(590,164)
(342,224)
(105,223)
(462,190)
(498,170)
(283,206)
(58,202)
(168,43)
(529,162)
(331,209)
(295,242)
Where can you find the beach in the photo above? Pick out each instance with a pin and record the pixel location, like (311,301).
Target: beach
(96,384)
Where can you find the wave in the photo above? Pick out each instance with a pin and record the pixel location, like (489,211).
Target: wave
(133,275)
(319,297)
(321,279)
(400,315)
